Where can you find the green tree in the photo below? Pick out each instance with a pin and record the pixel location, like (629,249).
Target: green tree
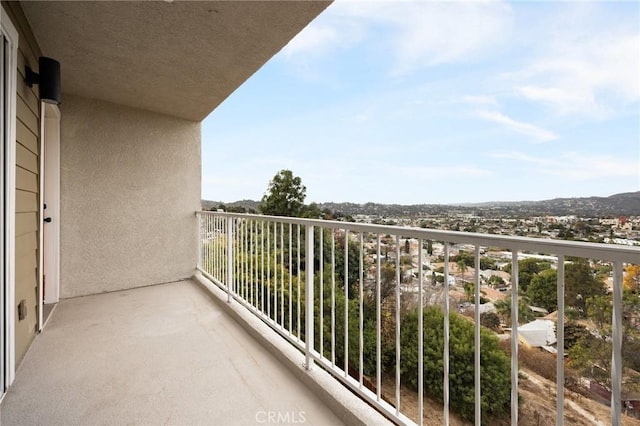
(462,267)
(591,357)
(543,290)
(494,369)
(527,268)
(496,281)
(491,320)
(599,310)
(285,195)
(573,333)
(387,280)
(580,285)
(504,309)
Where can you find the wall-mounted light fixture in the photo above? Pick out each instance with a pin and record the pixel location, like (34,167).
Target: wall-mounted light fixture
(48,80)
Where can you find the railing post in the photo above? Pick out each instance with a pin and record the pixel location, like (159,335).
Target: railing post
(309,299)
(200,240)
(229,257)
(514,337)
(560,345)
(616,350)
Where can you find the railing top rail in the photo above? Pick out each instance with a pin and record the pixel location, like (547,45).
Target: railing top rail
(605,252)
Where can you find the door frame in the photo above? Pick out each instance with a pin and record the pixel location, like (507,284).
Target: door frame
(7,319)
(49,258)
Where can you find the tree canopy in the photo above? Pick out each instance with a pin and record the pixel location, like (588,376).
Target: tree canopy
(285,195)
(543,289)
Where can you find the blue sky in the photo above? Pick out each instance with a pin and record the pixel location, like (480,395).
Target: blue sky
(439,102)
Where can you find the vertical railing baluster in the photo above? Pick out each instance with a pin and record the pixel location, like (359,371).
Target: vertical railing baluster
(282,275)
(333,298)
(397,325)
(616,350)
(200,219)
(218,233)
(378,323)
(262,283)
(256,266)
(420,336)
(202,233)
(299,279)
(211,235)
(236,256)
(252,255)
(229,257)
(346,302)
(245,260)
(560,345)
(446,335)
(249,280)
(290,280)
(309,299)
(321,296)
(361,313)
(275,272)
(203,242)
(268,269)
(215,233)
(476,336)
(514,337)
(212,230)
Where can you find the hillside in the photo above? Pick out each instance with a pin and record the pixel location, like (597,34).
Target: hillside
(624,204)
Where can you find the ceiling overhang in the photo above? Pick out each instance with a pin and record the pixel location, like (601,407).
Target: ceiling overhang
(180,58)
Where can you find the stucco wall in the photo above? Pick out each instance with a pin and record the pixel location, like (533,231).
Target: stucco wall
(130,184)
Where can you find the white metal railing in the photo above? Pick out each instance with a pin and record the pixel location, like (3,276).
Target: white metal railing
(282,268)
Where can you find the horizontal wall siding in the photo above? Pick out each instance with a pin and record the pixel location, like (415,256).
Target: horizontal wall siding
(27,182)
(26,137)
(26,159)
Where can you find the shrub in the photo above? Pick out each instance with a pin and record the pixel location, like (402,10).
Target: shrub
(538,361)
(491,320)
(495,368)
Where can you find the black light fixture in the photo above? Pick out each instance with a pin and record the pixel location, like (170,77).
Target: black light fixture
(48,80)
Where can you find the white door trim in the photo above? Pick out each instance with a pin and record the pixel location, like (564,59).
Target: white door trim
(50,195)
(11,35)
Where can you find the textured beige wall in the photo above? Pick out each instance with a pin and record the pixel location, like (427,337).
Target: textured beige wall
(130,184)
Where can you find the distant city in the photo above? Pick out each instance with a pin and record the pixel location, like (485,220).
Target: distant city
(614,219)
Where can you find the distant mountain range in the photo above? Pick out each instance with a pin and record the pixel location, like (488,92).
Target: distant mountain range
(624,204)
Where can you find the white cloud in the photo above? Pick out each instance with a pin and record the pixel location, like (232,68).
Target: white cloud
(577,166)
(322,37)
(537,133)
(590,70)
(415,34)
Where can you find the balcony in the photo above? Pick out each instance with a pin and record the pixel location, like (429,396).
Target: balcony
(278,327)
(362,303)
(164,354)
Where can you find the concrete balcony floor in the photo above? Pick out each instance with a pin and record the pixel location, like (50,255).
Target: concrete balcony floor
(164,354)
